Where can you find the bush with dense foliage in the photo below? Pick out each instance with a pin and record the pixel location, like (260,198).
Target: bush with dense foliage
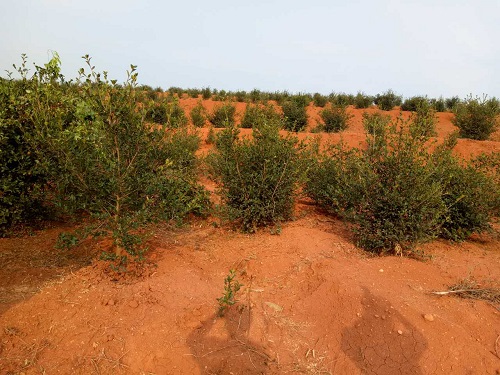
(476,118)
(375,123)
(387,100)
(258,177)
(424,120)
(411,104)
(198,115)
(295,114)
(257,115)
(335,118)
(320,100)
(168,112)
(438,104)
(100,157)
(398,193)
(223,115)
(361,100)
(23,179)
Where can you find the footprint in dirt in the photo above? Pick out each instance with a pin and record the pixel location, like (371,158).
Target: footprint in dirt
(382,341)
(221,345)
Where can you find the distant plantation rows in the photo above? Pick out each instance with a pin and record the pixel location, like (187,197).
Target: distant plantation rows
(118,157)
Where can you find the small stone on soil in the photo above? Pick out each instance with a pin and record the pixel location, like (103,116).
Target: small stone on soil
(429,317)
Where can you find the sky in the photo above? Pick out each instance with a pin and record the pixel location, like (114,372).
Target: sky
(414,47)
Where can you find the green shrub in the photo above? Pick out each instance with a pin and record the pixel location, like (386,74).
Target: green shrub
(255,95)
(220,96)
(411,104)
(320,100)
(176,91)
(101,157)
(363,101)
(388,100)
(341,99)
(167,112)
(295,115)
(376,123)
(206,93)
(452,102)
(439,104)
(256,115)
(387,191)
(194,93)
(198,115)
(223,115)
(258,177)
(476,118)
(423,121)
(398,193)
(23,179)
(335,118)
(240,96)
(472,198)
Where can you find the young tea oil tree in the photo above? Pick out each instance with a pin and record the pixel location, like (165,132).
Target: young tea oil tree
(23,179)
(477,118)
(335,118)
(112,164)
(257,177)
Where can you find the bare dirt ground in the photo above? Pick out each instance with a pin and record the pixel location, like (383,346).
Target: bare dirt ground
(311,302)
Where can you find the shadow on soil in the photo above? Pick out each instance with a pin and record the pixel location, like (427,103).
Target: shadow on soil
(382,341)
(29,262)
(221,345)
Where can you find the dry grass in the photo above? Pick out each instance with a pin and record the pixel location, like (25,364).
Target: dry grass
(472,289)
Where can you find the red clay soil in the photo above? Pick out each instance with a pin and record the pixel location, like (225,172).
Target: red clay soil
(311,302)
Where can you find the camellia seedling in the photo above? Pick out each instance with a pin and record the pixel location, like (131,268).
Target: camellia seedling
(231,287)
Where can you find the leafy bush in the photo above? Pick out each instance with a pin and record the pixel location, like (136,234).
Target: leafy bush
(255,95)
(198,115)
(240,96)
(223,115)
(220,96)
(472,198)
(23,179)
(295,114)
(206,93)
(341,99)
(387,191)
(335,118)
(397,193)
(439,104)
(167,112)
(176,90)
(363,101)
(477,118)
(256,115)
(258,177)
(424,120)
(452,102)
(411,104)
(193,93)
(376,123)
(388,100)
(101,158)
(320,100)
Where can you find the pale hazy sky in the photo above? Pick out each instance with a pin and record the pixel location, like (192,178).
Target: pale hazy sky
(414,47)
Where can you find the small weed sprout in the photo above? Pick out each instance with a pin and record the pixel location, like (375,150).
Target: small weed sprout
(231,287)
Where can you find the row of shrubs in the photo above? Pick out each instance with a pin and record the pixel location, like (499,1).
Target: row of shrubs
(477,118)
(69,149)
(396,193)
(385,101)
